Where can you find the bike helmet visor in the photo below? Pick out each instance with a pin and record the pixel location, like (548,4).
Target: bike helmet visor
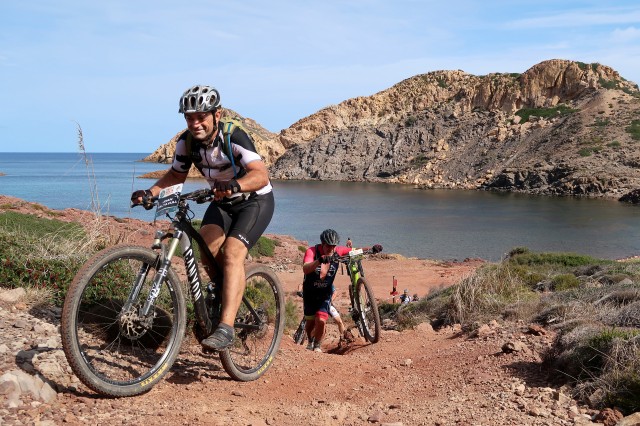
(199,99)
(330,237)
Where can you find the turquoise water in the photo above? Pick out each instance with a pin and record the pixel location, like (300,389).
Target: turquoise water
(436,224)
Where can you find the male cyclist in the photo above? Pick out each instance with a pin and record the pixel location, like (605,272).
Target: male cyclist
(320,269)
(243,199)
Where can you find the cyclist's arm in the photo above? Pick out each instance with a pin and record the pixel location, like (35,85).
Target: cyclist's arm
(256,178)
(309,264)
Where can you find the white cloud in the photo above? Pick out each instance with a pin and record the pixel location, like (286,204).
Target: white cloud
(579,18)
(626,35)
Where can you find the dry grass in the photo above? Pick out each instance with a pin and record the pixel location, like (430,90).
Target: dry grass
(487,293)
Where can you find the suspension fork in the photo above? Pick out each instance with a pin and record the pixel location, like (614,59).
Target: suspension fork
(354,274)
(164,264)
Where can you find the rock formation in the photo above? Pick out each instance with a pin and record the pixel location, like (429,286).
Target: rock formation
(560,128)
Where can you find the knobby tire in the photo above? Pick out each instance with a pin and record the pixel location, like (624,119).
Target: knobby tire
(113,352)
(299,336)
(254,350)
(369,314)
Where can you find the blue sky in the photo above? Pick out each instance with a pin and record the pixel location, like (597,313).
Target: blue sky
(118,67)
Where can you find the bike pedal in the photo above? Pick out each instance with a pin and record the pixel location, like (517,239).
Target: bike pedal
(206,351)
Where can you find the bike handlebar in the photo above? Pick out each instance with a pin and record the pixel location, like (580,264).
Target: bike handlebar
(347,257)
(199,196)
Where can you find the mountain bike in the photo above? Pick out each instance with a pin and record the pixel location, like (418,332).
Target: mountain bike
(364,308)
(125,313)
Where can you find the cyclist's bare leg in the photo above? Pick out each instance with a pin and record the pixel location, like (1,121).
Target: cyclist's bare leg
(340,324)
(231,259)
(308,328)
(214,236)
(230,254)
(319,329)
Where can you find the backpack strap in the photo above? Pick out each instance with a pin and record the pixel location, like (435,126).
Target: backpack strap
(227,129)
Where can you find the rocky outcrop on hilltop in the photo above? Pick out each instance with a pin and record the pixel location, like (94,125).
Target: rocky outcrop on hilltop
(266,143)
(560,128)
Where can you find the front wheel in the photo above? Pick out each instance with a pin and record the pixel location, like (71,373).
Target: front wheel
(299,335)
(259,326)
(111,345)
(369,316)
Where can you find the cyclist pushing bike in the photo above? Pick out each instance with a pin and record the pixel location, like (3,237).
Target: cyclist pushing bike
(243,200)
(320,268)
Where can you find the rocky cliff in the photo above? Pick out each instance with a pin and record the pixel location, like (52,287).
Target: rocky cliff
(561,127)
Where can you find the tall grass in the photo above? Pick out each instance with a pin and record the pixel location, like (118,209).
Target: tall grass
(91,175)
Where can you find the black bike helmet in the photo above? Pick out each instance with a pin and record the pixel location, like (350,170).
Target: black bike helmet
(199,99)
(330,237)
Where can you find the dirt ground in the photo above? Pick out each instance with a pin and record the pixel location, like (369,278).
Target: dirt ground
(413,377)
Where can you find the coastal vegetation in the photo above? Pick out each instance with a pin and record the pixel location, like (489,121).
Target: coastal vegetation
(592,305)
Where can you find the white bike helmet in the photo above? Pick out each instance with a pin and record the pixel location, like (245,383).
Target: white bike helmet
(199,99)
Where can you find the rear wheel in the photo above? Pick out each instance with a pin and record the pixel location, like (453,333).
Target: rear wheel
(110,345)
(259,326)
(369,316)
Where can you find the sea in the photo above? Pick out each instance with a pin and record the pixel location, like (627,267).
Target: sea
(429,224)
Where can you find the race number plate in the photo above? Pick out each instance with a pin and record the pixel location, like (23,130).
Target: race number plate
(168,200)
(355,252)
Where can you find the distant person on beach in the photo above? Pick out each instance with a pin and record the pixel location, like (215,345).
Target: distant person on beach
(349,243)
(320,268)
(243,200)
(405,297)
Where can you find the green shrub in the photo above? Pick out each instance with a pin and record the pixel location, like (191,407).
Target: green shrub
(410,121)
(558,111)
(585,152)
(561,259)
(33,225)
(292,318)
(608,84)
(419,160)
(564,282)
(634,130)
(264,247)
(600,122)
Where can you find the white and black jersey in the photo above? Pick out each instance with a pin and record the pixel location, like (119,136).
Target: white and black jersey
(213,163)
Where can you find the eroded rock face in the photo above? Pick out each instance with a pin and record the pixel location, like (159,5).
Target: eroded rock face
(450,129)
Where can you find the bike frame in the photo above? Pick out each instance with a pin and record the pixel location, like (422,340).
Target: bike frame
(181,233)
(354,271)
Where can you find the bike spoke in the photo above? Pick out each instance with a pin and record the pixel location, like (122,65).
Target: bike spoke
(259,323)
(119,345)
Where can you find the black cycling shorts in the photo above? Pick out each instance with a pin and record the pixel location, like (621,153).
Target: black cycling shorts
(245,221)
